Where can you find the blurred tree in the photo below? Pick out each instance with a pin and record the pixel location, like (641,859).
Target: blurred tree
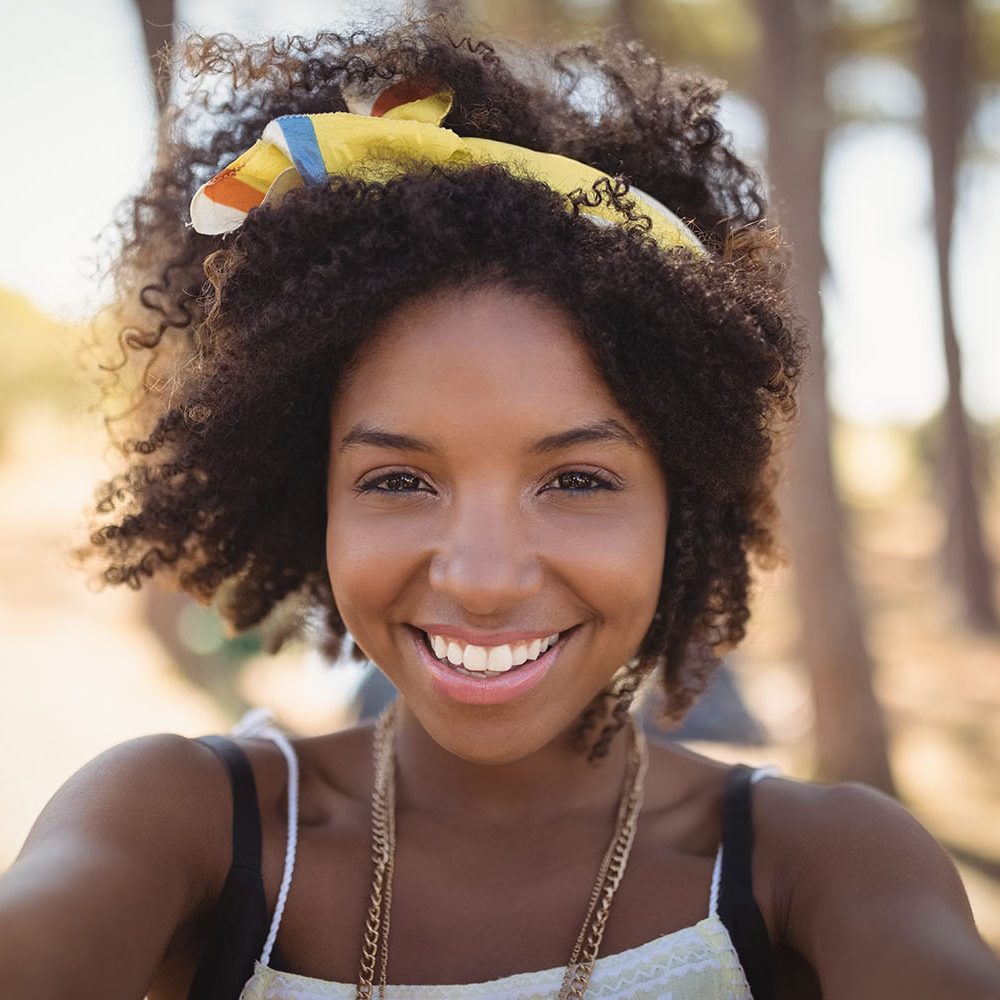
(157,18)
(627,17)
(214,668)
(720,36)
(850,731)
(944,62)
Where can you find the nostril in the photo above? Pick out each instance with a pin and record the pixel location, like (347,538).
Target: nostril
(484,587)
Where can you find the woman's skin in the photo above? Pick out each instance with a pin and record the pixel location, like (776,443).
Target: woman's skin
(485,486)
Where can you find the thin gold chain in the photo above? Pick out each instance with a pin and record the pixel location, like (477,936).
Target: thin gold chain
(375,949)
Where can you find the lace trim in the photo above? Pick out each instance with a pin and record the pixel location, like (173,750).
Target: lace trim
(694,963)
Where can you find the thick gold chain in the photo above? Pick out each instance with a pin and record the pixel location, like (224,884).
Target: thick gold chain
(376,943)
(609,875)
(375,950)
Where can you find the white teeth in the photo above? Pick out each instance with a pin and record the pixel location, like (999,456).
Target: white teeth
(501,659)
(475,659)
(495,659)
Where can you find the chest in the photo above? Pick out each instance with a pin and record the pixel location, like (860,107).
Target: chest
(481,904)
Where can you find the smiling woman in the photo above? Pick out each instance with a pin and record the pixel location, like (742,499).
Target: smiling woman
(493,383)
(500,543)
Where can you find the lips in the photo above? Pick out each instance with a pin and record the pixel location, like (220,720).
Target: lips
(487,687)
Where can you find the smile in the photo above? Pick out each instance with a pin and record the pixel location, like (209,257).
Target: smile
(487,674)
(487,660)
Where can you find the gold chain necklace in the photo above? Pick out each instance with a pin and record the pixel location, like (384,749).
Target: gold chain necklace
(375,950)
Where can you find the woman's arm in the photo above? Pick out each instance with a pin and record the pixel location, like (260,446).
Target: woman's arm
(128,850)
(870,899)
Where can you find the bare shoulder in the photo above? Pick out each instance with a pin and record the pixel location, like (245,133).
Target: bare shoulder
(153,786)
(826,834)
(129,849)
(864,892)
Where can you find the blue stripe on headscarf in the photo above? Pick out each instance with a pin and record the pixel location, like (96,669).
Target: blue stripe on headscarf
(301,138)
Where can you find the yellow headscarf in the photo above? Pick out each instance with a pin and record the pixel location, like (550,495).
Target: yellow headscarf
(307,149)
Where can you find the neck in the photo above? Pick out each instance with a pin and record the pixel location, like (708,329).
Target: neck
(556,779)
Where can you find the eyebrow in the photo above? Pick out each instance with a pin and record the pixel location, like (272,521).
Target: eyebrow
(377,438)
(601,431)
(609,430)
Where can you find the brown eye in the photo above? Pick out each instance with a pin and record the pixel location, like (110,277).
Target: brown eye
(578,481)
(394,482)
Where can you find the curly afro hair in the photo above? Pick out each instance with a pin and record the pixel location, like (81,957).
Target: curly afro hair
(239,343)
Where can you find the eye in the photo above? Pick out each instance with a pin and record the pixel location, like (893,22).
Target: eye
(580,481)
(399,481)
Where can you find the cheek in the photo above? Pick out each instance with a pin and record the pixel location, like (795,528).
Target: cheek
(640,565)
(369,565)
(614,564)
(624,569)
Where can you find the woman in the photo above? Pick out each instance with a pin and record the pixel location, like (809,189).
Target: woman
(509,422)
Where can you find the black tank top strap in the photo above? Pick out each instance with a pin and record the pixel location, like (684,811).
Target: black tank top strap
(246,811)
(738,909)
(241,921)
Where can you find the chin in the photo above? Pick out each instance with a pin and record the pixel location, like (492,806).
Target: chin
(490,737)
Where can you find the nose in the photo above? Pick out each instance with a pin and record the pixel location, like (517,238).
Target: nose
(486,563)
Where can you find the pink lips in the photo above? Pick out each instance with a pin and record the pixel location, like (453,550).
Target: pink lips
(495,690)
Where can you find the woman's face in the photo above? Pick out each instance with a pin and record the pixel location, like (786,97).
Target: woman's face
(486,494)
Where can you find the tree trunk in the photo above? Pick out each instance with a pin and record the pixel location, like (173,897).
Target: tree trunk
(944,50)
(849,729)
(626,14)
(157,18)
(433,7)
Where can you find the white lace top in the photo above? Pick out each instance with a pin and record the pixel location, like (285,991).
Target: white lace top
(694,963)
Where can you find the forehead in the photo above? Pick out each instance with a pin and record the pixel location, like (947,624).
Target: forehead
(455,360)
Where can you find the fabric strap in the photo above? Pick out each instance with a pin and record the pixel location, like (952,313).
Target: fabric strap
(240,922)
(738,909)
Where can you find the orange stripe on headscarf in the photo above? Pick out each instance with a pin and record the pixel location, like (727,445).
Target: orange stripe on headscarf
(228,189)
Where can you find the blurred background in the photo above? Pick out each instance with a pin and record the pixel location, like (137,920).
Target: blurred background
(874,655)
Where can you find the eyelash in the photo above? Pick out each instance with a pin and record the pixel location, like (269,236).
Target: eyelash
(375,483)
(598,481)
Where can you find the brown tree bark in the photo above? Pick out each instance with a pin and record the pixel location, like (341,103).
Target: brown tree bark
(943,58)
(157,18)
(455,8)
(626,15)
(849,729)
